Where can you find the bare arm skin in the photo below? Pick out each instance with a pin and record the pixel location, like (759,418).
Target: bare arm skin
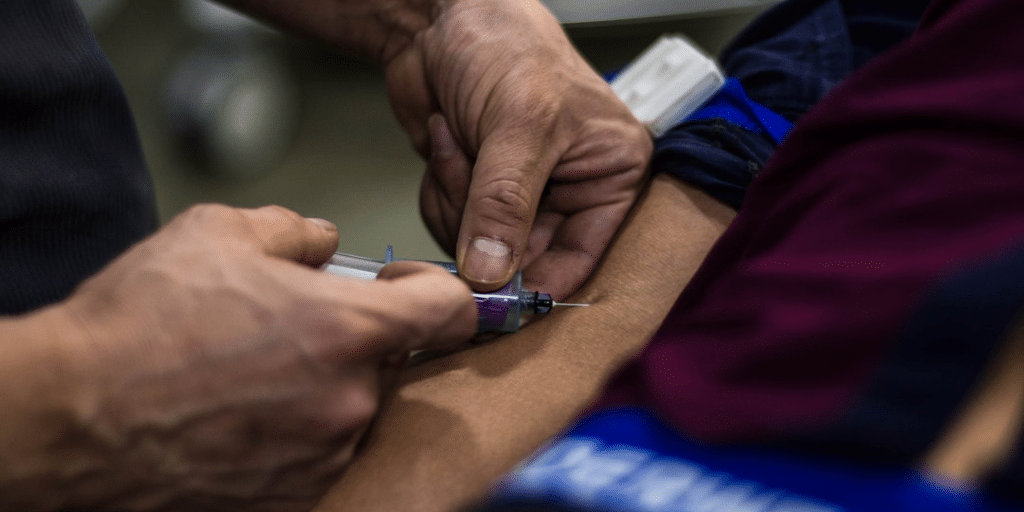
(461,421)
(989,424)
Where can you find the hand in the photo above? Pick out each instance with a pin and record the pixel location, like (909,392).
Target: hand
(533,160)
(218,369)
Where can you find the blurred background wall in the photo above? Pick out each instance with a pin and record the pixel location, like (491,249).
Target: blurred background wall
(236,114)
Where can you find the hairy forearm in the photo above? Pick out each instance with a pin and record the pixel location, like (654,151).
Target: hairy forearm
(463,420)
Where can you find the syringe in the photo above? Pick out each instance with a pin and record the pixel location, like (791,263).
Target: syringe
(499,311)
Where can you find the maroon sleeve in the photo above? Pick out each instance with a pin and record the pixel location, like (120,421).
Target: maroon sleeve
(911,169)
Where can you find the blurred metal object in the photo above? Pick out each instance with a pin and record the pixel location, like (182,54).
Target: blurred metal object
(232,103)
(593,11)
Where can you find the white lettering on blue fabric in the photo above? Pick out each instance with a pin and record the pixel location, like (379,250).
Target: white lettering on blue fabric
(714,495)
(763,501)
(553,462)
(584,471)
(660,483)
(602,469)
(796,505)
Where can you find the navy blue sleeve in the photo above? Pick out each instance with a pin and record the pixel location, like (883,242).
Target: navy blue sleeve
(786,60)
(719,157)
(74,191)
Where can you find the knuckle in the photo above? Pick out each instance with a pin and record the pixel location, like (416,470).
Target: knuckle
(361,410)
(645,144)
(276,209)
(442,300)
(543,116)
(277,213)
(638,156)
(414,324)
(203,210)
(545,111)
(506,202)
(210,215)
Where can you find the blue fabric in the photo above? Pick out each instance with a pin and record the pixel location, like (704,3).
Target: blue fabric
(732,104)
(627,460)
(792,55)
(786,60)
(715,155)
(797,51)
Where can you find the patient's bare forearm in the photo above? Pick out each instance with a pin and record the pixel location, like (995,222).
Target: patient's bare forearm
(460,421)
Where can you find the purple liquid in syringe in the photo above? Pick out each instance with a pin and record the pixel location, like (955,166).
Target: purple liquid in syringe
(498,310)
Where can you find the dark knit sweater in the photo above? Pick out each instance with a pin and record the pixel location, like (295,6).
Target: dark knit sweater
(74,191)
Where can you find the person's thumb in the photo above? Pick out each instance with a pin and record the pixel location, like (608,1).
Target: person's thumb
(508,180)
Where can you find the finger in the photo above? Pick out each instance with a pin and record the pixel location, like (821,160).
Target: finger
(445,185)
(285,234)
(508,180)
(574,225)
(429,308)
(390,373)
(410,97)
(400,269)
(566,259)
(441,220)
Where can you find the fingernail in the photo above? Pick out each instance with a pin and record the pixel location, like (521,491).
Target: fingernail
(486,260)
(326,224)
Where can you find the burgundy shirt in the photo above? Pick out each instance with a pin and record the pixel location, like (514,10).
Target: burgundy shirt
(907,177)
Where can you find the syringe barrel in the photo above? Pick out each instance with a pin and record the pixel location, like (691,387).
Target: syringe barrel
(348,265)
(498,311)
